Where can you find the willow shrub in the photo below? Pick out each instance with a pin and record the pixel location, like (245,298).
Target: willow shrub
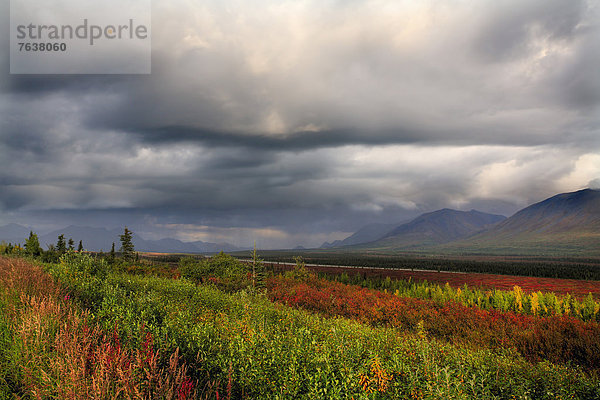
(241,345)
(51,349)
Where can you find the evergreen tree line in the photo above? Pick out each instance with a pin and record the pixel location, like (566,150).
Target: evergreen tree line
(582,269)
(55,251)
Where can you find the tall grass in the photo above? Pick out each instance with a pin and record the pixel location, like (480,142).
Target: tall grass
(241,345)
(53,349)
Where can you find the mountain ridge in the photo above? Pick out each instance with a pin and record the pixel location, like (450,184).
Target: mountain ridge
(564,224)
(101,239)
(366,234)
(437,227)
(567,223)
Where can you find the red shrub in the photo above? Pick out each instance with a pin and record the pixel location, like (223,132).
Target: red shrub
(558,339)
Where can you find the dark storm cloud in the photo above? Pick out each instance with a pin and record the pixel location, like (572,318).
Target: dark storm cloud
(513,29)
(38,85)
(580,81)
(292,142)
(303,121)
(363,90)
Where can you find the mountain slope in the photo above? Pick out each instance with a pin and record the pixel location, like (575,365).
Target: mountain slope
(368,233)
(14,233)
(567,224)
(208,247)
(94,239)
(436,227)
(566,212)
(97,239)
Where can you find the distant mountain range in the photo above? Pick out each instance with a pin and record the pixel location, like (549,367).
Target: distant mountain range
(14,233)
(368,233)
(568,212)
(439,227)
(432,228)
(565,224)
(101,239)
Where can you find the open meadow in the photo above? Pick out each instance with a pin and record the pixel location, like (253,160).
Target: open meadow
(87,327)
(420,178)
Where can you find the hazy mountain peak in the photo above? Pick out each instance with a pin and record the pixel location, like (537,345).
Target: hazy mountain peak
(436,227)
(101,239)
(567,223)
(366,234)
(14,233)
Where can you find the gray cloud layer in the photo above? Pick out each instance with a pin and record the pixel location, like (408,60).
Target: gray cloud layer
(291,123)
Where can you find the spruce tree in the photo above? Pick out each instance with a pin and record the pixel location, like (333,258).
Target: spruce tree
(127,249)
(80,247)
(32,245)
(111,255)
(61,245)
(71,244)
(258,270)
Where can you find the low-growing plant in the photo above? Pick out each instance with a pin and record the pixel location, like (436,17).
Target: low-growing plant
(533,303)
(49,348)
(243,346)
(85,264)
(220,269)
(560,339)
(299,272)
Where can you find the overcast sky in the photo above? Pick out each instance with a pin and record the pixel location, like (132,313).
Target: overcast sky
(294,122)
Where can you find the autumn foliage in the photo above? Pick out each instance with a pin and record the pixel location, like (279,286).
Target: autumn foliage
(57,351)
(85,329)
(559,339)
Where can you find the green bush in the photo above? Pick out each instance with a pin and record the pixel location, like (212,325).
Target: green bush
(241,345)
(300,272)
(230,273)
(85,264)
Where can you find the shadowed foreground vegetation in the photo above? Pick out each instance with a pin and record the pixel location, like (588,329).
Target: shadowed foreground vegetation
(50,347)
(83,328)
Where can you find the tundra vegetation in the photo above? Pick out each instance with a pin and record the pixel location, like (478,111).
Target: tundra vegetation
(88,326)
